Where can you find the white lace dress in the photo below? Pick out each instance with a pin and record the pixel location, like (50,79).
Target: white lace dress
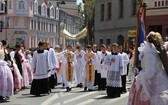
(150,86)
(6,78)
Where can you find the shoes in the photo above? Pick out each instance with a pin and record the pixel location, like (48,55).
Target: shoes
(68,89)
(103,89)
(99,88)
(7,98)
(2,99)
(85,89)
(90,89)
(63,84)
(78,85)
(50,90)
(37,95)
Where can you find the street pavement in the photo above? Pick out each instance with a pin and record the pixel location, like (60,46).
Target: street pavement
(59,96)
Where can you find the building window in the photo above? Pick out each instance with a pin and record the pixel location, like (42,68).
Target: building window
(44,9)
(31,5)
(35,7)
(108,42)
(101,42)
(102,12)
(52,12)
(50,27)
(109,10)
(32,24)
(42,26)
(133,7)
(166,3)
(10,4)
(46,26)
(57,13)
(21,4)
(120,40)
(121,8)
(155,4)
(2,7)
(162,3)
(35,25)
(38,25)
(158,3)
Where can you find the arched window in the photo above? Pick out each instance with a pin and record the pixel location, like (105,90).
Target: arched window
(44,9)
(35,7)
(21,4)
(120,40)
(57,13)
(10,4)
(52,12)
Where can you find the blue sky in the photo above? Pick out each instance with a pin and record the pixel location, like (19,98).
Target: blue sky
(78,1)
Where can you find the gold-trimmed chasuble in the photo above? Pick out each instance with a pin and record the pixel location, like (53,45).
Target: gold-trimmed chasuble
(69,66)
(89,67)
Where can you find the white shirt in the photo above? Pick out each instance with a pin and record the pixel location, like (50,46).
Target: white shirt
(125,61)
(41,65)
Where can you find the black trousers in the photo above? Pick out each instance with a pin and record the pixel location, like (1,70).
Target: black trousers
(96,78)
(53,80)
(102,84)
(40,86)
(123,89)
(113,92)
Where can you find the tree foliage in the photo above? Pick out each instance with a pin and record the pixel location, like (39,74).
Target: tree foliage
(89,9)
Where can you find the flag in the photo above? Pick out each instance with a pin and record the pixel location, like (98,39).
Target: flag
(140,38)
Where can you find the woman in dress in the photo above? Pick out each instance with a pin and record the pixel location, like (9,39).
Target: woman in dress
(6,78)
(150,86)
(16,74)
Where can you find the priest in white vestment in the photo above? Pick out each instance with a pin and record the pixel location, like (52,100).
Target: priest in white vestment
(68,59)
(125,61)
(114,83)
(41,67)
(102,68)
(53,64)
(79,67)
(90,59)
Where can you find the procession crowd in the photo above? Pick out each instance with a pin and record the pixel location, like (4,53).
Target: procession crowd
(88,67)
(107,67)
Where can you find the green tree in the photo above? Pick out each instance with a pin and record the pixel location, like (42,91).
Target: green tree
(89,13)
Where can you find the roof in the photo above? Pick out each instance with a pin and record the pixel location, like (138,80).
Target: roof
(70,11)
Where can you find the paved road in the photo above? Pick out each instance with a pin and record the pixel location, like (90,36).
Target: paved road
(59,97)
